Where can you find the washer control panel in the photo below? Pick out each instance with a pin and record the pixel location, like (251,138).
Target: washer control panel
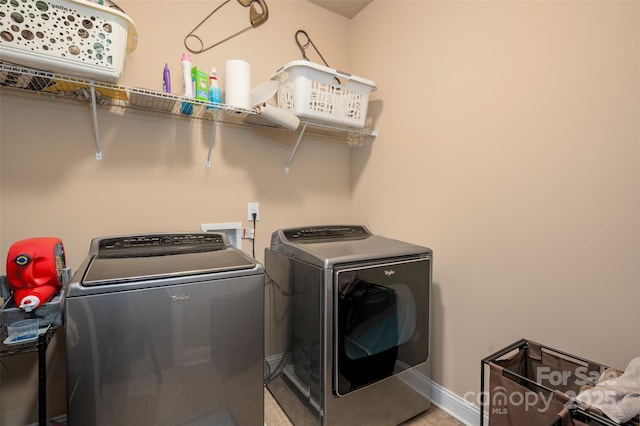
(159,244)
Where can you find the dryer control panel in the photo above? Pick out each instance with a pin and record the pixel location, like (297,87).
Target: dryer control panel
(335,232)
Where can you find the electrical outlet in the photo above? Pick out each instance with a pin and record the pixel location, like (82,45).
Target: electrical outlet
(251,209)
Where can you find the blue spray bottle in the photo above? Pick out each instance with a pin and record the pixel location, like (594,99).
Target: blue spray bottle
(215,95)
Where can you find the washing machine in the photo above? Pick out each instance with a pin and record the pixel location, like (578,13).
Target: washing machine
(165,329)
(350,314)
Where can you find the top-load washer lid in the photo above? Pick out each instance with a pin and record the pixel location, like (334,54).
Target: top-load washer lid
(143,257)
(326,246)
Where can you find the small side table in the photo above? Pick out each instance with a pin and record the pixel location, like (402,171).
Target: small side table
(45,334)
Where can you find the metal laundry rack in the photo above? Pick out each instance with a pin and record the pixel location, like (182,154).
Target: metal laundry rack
(574,410)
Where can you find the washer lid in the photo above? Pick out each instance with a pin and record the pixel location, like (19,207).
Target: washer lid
(143,257)
(103,271)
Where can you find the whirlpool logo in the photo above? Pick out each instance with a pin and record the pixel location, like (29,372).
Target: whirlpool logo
(389,272)
(181,298)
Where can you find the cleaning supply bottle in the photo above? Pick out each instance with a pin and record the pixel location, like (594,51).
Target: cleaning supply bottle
(215,95)
(200,82)
(166,79)
(187,88)
(35,271)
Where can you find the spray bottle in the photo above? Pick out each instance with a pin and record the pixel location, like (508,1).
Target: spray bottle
(215,96)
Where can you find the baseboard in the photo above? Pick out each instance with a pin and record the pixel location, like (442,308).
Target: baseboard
(452,404)
(455,406)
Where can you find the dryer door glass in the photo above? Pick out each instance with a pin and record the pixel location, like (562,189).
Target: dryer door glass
(381,321)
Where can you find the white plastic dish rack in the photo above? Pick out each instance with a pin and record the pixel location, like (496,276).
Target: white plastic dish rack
(323,94)
(76,37)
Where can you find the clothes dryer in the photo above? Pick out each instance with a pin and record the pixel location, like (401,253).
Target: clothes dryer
(357,336)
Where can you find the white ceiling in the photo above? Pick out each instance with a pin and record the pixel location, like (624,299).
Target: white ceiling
(346,8)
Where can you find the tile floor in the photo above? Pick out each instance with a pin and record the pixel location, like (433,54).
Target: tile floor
(274,416)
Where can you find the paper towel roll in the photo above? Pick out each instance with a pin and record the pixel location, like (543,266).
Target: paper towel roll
(278,116)
(237,83)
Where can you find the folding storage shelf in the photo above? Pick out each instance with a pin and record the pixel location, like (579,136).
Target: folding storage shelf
(535,385)
(50,316)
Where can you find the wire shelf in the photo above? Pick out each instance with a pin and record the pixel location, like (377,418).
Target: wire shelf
(58,85)
(44,84)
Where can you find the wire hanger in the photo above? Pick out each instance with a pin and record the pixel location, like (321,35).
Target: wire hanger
(258,15)
(304,41)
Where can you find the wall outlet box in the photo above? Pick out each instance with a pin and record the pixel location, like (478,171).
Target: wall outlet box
(233,231)
(251,209)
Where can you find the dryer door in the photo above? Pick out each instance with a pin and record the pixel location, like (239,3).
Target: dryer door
(381,320)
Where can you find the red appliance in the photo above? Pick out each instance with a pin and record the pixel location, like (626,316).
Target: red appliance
(34,271)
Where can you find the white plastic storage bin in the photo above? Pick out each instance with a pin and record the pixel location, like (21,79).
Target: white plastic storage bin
(323,94)
(72,37)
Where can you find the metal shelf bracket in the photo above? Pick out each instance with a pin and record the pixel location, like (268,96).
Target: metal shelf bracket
(95,120)
(213,137)
(295,148)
